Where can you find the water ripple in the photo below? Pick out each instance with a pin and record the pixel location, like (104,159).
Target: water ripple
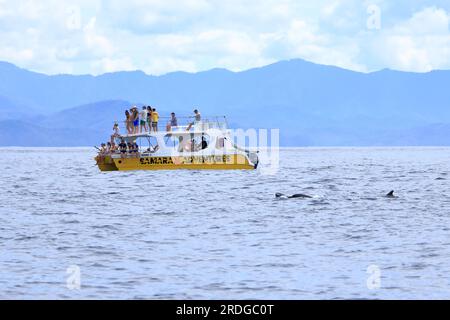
(207,235)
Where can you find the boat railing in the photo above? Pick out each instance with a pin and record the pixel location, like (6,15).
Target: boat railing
(184,124)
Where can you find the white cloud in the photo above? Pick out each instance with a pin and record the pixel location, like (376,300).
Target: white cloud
(421,43)
(429,21)
(73,20)
(95,42)
(159,36)
(111,65)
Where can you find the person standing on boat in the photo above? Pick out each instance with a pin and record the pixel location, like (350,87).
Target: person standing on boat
(155,119)
(128,121)
(135,117)
(149,118)
(116,132)
(143,119)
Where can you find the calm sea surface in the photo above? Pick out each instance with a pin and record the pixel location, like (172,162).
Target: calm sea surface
(222,234)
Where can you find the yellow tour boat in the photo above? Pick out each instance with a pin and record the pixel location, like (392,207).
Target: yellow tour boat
(205,145)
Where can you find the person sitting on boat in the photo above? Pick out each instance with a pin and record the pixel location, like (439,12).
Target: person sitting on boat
(155,119)
(103,148)
(113,148)
(153,149)
(122,148)
(136,149)
(197,146)
(197,119)
(198,116)
(220,143)
(189,146)
(204,143)
(173,122)
(184,145)
(130,149)
(101,153)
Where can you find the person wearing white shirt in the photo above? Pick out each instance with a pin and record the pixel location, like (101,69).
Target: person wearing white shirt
(143,117)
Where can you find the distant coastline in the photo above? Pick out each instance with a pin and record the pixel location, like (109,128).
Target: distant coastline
(311,104)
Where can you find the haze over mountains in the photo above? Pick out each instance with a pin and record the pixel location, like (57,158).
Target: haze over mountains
(312,105)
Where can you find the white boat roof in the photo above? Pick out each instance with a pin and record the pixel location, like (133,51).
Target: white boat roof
(209,126)
(172,133)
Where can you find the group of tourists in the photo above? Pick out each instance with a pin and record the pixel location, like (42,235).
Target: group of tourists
(145,120)
(130,149)
(137,122)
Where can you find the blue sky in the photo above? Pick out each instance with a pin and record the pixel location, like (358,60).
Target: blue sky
(160,36)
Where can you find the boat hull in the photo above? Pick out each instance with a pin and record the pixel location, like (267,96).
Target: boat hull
(106,163)
(228,162)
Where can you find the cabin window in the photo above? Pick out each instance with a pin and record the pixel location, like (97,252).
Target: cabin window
(220,143)
(172,141)
(188,143)
(200,142)
(148,144)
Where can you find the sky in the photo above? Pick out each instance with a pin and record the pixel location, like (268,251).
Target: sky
(161,36)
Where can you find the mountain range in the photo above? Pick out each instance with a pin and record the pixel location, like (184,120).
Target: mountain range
(311,104)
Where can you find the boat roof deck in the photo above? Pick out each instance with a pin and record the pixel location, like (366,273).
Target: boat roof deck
(191,127)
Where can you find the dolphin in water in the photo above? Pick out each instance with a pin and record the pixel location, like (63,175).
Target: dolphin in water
(298,195)
(391,195)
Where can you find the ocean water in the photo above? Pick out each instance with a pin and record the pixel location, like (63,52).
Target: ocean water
(68,231)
